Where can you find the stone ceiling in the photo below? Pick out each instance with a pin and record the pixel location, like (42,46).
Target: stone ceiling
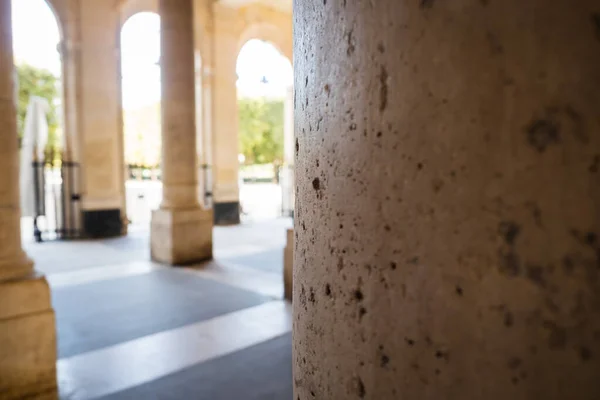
(283,5)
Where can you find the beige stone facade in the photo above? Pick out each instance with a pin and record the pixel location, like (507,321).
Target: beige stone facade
(201,40)
(92,88)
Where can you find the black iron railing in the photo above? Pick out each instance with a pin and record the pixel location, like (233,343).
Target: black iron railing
(56,200)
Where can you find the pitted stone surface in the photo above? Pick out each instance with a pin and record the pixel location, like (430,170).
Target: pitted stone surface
(448,207)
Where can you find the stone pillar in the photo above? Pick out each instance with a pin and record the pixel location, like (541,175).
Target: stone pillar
(95,30)
(226,191)
(181,231)
(27,336)
(448,211)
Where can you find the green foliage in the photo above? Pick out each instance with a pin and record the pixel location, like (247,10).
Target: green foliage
(38,82)
(261,130)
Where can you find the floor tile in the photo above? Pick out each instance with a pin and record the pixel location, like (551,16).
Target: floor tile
(100,314)
(130,364)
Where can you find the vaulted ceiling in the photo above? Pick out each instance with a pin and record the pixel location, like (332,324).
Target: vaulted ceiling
(282,5)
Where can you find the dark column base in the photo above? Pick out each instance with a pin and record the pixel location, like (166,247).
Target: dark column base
(227,213)
(102,223)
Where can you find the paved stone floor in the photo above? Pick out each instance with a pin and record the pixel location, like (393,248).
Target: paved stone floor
(132,329)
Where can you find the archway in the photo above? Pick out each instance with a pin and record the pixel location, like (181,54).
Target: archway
(140,74)
(264,88)
(39,72)
(264,79)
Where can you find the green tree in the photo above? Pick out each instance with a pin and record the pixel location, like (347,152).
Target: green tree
(261,130)
(38,82)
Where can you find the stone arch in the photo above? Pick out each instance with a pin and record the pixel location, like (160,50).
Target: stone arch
(60,11)
(129,8)
(63,14)
(269,33)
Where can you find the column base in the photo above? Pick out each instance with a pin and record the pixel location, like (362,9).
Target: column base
(180,237)
(288,265)
(99,224)
(27,340)
(227,213)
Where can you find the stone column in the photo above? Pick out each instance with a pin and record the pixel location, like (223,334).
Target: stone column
(27,337)
(97,93)
(181,231)
(225,140)
(448,212)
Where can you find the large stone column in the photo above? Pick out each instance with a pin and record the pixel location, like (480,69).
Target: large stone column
(27,336)
(181,231)
(448,205)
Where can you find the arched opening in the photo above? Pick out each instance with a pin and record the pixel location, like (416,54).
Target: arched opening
(265,110)
(264,88)
(141,94)
(37,39)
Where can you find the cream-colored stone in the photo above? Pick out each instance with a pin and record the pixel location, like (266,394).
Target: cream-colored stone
(179,157)
(448,203)
(181,231)
(28,356)
(90,52)
(224,106)
(92,88)
(284,6)
(27,295)
(179,237)
(27,339)
(288,265)
(233,27)
(99,119)
(92,100)
(268,24)
(14,262)
(129,8)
